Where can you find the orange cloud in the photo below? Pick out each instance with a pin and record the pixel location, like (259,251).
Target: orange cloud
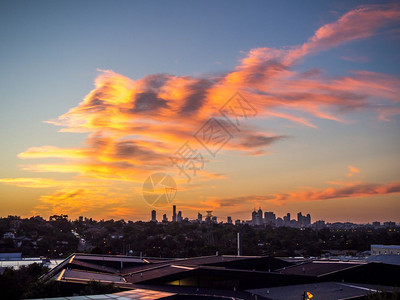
(349,190)
(31,182)
(352,171)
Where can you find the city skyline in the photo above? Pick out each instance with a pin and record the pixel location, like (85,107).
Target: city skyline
(110,109)
(256,217)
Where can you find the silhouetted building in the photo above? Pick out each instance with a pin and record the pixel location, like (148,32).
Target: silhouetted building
(174,213)
(199,217)
(214,219)
(260,217)
(286,218)
(269,217)
(303,221)
(209,215)
(376,224)
(319,225)
(229,220)
(179,218)
(164,218)
(153,216)
(254,217)
(389,224)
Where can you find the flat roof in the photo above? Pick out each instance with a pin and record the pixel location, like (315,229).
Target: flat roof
(394,247)
(139,294)
(78,275)
(157,272)
(108,258)
(322,290)
(319,267)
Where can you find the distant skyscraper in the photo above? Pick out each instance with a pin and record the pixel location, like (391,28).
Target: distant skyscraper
(304,220)
(209,215)
(229,220)
(287,218)
(164,218)
(179,218)
(307,221)
(300,218)
(254,217)
(214,219)
(153,216)
(174,213)
(269,217)
(259,217)
(199,217)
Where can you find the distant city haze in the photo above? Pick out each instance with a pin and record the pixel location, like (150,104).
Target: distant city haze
(288,107)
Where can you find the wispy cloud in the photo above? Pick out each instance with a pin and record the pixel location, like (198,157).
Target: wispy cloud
(352,171)
(347,190)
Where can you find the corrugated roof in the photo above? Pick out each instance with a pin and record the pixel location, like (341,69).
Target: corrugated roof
(117,258)
(319,268)
(157,272)
(322,290)
(78,275)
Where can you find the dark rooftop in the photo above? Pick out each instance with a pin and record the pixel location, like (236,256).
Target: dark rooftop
(319,267)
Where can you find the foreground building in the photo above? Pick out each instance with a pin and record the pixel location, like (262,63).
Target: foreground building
(220,276)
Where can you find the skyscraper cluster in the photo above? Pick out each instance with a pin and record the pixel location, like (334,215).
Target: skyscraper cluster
(258,218)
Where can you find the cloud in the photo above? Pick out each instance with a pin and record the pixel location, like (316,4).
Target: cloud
(134,126)
(357,190)
(348,190)
(32,182)
(352,171)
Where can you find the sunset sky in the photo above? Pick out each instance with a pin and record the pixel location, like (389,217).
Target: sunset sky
(98,95)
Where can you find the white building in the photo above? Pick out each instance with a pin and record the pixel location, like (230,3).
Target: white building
(385,249)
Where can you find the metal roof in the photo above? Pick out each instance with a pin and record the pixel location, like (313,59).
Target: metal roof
(319,267)
(139,294)
(393,247)
(322,290)
(78,275)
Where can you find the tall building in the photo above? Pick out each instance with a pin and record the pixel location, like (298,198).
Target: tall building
(304,221)
(199,217)
(229,220)
(209,215)
(269,217)
(153,216)
(179,218)
(174,213)
(307,220)
(164,218)
(260,217)
(254,217)
(299,218)
(287,218)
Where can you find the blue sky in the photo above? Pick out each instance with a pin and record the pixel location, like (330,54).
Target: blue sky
(51,51)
